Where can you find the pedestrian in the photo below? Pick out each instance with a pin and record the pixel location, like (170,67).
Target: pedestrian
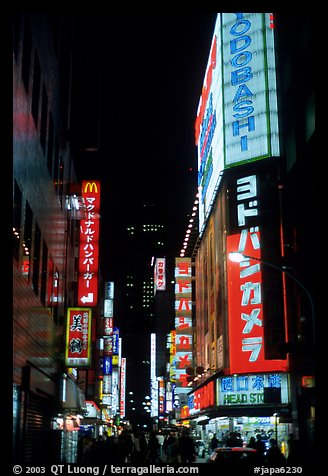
(187,448)
(274,456)
(259,445)
(153,449)
(214,443)
(172,451)
(160,438)
(252,442)
(234,440)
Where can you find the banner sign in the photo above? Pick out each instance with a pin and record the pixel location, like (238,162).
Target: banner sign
(78,337)
(89,245)
(183,320)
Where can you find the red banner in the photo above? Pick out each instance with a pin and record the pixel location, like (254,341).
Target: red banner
(245,308)
(89,245)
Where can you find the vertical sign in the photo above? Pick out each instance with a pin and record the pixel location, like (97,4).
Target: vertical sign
(183,319)
(122,387)
(237,116)
(250,91)
(161,396)
(153,380)
(247,292)
(160,283)
(78,337)
(89,245)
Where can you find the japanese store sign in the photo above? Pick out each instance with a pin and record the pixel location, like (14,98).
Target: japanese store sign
(78,337)
(122,387)
(237,116)
(249,389)
(89,245)
(245,286)
(183,319)
(160,282)
(203,397)
(250,90)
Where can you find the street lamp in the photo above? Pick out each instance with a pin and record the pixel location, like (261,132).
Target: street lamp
(239,257)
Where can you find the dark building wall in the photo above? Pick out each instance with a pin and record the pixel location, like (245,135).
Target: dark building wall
(296,72)
(43,231)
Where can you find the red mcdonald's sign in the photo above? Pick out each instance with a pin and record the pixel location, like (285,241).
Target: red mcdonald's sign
(89,245)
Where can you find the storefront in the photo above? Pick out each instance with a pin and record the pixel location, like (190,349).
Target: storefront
(245,405)
(67,422)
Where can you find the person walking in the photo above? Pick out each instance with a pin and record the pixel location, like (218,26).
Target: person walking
(187,448)
(153,450)
(214,443)
(274,455)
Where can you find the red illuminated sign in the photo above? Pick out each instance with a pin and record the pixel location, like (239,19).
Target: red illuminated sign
(245,308)
(78,337)
(89,245)
(183,320)
(204,397)
(160,282)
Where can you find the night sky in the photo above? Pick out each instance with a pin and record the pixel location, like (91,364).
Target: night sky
(137,80)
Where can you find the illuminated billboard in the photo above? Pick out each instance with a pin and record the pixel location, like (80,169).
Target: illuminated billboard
(78,337)
(122,387)
(159,275)
(256,317)
(249,389)
(89,245)
(237,116)
(245,308)
(183,320)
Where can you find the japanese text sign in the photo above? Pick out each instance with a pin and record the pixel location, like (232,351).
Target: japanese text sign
(78,337)
(89,245)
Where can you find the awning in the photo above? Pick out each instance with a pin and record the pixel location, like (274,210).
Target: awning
(203,417)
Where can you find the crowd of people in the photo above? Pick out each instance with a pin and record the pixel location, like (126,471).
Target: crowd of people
(270,453)
(137,448)
(142,448)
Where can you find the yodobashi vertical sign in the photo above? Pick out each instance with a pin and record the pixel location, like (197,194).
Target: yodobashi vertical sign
(237,116)
(249,91)
(160,282)
(183,319)
(78,337)
(89,245)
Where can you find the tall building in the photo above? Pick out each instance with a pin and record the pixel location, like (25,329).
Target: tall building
(254,321)
(138,311)
(45,221)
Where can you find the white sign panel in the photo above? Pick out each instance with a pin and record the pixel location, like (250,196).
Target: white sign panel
(250,99)
(237,116)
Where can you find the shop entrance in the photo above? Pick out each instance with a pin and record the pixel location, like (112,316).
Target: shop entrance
(246,427)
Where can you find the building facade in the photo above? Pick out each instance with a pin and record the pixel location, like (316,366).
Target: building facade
(254,320)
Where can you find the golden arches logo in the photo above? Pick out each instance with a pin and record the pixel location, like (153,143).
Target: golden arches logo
(92,187)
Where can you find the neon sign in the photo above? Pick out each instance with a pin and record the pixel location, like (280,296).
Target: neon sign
(245,287)
(89,245)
